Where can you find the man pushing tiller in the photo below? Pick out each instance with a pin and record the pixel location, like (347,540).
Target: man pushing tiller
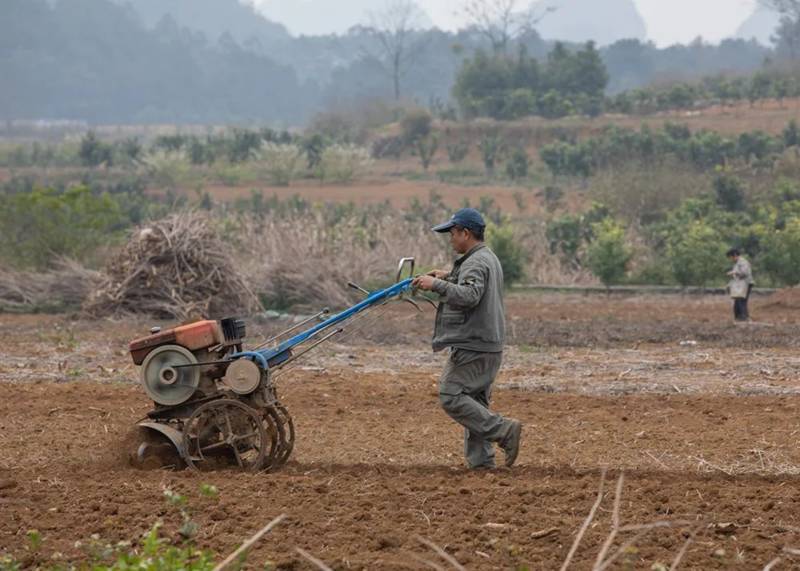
(215,399)
(470,321)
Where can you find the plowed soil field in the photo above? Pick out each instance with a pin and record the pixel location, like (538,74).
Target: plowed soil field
(700,417)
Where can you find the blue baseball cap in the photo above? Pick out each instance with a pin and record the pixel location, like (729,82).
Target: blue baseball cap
(468,218)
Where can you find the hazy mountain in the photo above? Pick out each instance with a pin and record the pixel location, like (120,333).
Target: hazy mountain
(317,17)
(760,25)
(95,61)
(133,61)
(604,21)
(574,20)
(323,17)
(213,18)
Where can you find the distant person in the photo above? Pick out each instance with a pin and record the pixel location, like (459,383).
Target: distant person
(470,322)
(741,284)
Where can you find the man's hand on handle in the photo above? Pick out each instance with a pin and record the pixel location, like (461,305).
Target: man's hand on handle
(425,282)
(439,274)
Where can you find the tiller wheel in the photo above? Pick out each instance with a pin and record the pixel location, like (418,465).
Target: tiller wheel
(227,432)
(279,416)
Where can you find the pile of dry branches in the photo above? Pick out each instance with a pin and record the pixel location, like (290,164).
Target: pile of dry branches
(66,286)
(177,267)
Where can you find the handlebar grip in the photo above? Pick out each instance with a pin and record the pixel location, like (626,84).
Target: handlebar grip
(402,264)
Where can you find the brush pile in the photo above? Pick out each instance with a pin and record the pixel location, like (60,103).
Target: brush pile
(175,268)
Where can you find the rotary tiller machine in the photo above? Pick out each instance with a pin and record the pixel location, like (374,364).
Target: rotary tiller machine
(216,403)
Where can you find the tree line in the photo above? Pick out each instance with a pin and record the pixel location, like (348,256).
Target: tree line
(702,149)
(100,63)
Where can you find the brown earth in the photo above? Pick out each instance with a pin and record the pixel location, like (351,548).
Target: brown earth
(706,434)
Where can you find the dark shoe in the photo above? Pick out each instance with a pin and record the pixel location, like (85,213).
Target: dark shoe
(483,468)
(511,444)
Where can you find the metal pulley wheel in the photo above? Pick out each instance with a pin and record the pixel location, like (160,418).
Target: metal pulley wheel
(242,376)
(227,432)
(164,378)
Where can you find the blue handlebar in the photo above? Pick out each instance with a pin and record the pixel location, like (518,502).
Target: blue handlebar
(277,355)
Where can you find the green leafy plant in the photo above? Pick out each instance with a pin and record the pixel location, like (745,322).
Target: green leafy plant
(781,253)
(502,240)
(8,563)
(280,162)
(94,152)
(343,163)
(168,169)
(696,254)
(426,149)
(313,146)
(457,151)
(189,527)
(158,554)
(608,254)
(43,224)
(243,145)
(518,164)
(491,147)
(209,491)
(416,124)
(34,539)
(730,192)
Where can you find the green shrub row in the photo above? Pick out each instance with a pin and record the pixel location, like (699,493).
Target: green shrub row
(701,149)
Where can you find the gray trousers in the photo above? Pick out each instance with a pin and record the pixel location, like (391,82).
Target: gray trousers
(465,390)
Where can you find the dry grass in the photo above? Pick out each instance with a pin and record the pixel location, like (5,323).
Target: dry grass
(542,267)
(640,192)
(767,461)
(192,265)
(300,260)
(66,286)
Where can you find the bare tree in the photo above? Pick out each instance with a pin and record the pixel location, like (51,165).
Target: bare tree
(503,21)
(396,31)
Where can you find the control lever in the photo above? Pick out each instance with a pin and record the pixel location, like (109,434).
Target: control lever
(358,287)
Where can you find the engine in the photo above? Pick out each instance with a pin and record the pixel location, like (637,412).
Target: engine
(188,362)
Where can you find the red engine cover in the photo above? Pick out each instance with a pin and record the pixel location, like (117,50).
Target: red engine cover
(193,336)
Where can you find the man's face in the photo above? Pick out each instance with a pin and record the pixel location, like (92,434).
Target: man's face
(459,239)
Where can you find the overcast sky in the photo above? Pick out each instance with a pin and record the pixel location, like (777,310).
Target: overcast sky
(668,21)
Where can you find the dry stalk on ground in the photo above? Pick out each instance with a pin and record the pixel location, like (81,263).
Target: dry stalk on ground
(179,268)
(605,557)
(543,267)
(766,461)
(442,553)
(65,286)
(244,547)
(585,524)
(318,563)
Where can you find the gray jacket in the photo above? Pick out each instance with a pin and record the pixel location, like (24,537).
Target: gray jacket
(471,314)
(743,271)
(739,286)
